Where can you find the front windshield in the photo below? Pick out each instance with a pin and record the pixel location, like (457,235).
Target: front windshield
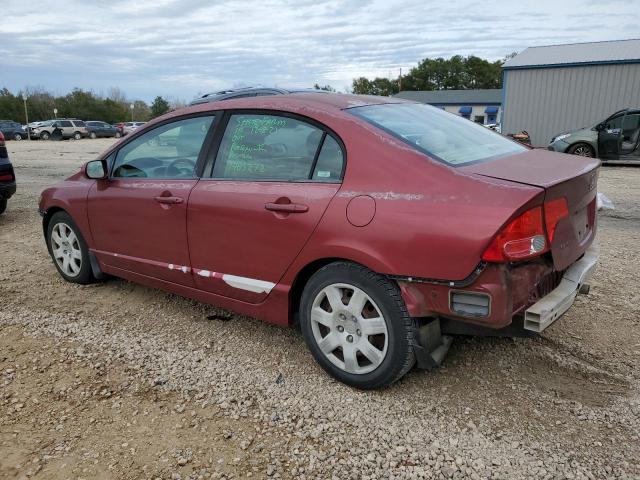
(443,136)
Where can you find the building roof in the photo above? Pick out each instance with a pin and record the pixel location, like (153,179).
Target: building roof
(615,51)
(454,97)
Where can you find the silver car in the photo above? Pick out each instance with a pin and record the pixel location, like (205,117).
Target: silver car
(129,127)
(616,138)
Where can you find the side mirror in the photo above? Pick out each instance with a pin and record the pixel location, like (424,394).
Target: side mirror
(96,169)
(601,127)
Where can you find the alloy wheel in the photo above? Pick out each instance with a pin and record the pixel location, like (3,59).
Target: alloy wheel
(349,328)
(66,249)
(583,151)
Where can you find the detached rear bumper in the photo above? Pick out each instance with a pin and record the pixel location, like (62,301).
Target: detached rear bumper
(551,307)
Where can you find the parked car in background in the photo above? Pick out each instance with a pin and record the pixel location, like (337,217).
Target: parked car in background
(7,176)
(97,129)
(129,127)
(326,182)
(249,92)
(12,130)
(616,138)
(65,127)
(120,128)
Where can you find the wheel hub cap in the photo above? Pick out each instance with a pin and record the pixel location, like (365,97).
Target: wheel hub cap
(349,328)
(66,249)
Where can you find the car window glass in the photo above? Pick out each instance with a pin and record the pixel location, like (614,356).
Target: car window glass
(267,147)
(631,122)
(65,123)
(443,136)
(168,151)
(616,122)
(330,161)
(78,123)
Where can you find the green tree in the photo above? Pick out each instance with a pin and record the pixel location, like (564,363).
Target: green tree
(377,86)
(159,107)
(326,88)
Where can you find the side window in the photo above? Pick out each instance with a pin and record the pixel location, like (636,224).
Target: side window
(65,123)
(330,162)
(616,122)
(267,147)
(631,123)
(168,151)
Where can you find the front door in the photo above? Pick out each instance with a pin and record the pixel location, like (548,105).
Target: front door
(138,216)
(630,144)
(272,181)
(610,137)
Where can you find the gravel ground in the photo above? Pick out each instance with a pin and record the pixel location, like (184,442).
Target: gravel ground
(116,380)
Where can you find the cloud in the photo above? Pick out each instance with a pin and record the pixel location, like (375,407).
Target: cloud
(179,48)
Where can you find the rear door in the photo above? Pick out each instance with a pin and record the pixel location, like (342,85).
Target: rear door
(273,178)
(610,137)
(138,216)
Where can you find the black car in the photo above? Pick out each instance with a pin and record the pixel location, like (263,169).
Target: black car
(7,177)
(12,130)
(250,92)
(97,129)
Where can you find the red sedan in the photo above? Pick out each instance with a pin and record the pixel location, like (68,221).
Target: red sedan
(377,225)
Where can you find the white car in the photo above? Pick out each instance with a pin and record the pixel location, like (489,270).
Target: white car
(131,126)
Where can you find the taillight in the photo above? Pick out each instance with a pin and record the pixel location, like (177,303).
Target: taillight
(554,211)
(6,178)
(523,238)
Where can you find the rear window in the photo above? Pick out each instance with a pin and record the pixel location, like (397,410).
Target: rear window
(443,136)
(78,123)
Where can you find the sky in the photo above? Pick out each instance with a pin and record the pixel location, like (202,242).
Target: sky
(181,48)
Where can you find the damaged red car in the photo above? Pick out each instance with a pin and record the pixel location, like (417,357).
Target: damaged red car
(377,225)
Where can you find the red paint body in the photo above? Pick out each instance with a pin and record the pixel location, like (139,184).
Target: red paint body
(396,211)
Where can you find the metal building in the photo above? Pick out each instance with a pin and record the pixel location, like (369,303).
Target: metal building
(556,88)
(481,106)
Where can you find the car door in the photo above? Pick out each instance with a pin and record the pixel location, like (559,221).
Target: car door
(66,127)
(630,135)
(138,215)
(272,180)
(610,137)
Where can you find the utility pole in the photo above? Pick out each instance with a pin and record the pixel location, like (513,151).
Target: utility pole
(26,115)
(400,81)
(131,107)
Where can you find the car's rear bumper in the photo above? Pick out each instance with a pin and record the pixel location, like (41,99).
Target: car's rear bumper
(551,307)
(498,293)
(7,189)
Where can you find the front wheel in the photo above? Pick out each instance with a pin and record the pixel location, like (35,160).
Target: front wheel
(118,134)
(357,326)
(17,137)
(45,136)
(93,135)
(77,136)
(582,149)
(68,249)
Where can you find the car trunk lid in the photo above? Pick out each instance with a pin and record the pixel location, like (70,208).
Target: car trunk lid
(562,176)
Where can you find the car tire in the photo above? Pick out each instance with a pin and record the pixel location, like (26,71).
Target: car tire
(45,136)
(17,137)
(93,135)
(582,150)
(367,344)
(68,249)
(77,136)
(118,135)
(3,205)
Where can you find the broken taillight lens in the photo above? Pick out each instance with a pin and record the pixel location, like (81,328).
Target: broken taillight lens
(522,238)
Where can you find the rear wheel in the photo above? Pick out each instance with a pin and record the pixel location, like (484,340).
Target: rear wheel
(357,326)
(3,205)
(77,136)
(582,149)
(68,249)
(17,136)
(118,134)
(93,135)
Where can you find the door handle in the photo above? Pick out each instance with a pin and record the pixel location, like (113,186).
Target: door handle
(169,200)
(286,207)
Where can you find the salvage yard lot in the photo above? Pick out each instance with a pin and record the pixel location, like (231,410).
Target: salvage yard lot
(116,380)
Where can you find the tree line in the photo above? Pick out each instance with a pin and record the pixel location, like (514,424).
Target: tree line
(455,73)
(113,107)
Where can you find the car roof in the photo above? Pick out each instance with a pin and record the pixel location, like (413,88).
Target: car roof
(296,101)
